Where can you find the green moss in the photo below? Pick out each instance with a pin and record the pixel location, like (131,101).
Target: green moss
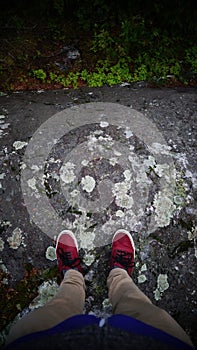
(180,192)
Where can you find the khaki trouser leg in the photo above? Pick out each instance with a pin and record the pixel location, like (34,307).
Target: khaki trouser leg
(68,302)
(127,299)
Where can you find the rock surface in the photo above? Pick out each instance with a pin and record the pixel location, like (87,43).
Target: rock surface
(100,174)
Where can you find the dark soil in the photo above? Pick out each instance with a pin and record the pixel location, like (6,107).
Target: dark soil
(40,46)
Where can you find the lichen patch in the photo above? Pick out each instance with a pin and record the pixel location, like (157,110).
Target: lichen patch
(128,133)
(3,268)
(158,148)
(164,209)
(122,198)
(88,183)
(104,124)
(120,213)
(67,174)
(192,236)
(51,253)
(46,292)
(141,278)
(16,239)
(113,161)
(3,125)
(19,144)
(162,285)
(84,162)
(87,239)
(32,183)
(89,259)
(1,244)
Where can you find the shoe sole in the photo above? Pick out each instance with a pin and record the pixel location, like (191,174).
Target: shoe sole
(71,234)
(128,235)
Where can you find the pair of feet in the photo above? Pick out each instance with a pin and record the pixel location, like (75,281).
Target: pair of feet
(122,255)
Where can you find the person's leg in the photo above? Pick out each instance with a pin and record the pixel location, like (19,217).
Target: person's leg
(68,302)
(126,297)
(70,298)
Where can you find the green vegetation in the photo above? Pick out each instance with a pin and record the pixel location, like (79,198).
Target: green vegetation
(39,74)
(122,41)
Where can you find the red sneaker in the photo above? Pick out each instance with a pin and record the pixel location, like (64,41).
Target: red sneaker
(67,252)
(123,251)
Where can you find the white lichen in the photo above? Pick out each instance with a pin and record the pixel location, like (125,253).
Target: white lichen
(66,223)
(117,153)
(149,163)
(52,160)
(67,174)
(1,244)
(113,161)
(162,170)
(158,148)
(84,162)
(6,222)
(19,144)
(143,268)
(51,253)
(35,168)
(192,177)
(23,166)
(87,239)
(128,133)
(89,276)
(141,278)
(54,176)
(3,125)
(5,281)
(192,236)
(104,124)
(88,183)
(99,144)
(16,239)
(127,175)
(98,132)
(106,303)
(105,142)
(164,209)
(46,292)
(89,259)
(139,170)
(180,191)
(3,268)
(92,142)
(142,179)
(122,199)
(162,285)
(32,184)
(74,193)
(120,213)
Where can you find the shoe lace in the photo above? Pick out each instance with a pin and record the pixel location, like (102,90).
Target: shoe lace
(66,258)
(124,258)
